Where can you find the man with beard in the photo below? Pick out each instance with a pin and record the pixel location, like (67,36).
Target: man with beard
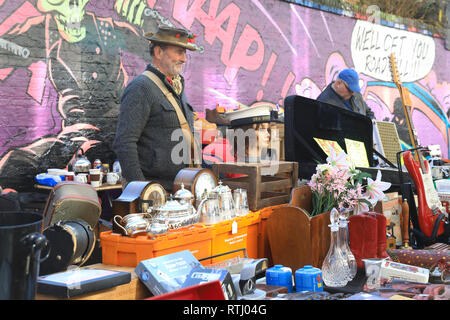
(154,111)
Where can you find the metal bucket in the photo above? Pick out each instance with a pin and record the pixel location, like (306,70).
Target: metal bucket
(21,243)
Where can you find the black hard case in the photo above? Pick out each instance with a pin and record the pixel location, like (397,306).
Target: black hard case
(306,119)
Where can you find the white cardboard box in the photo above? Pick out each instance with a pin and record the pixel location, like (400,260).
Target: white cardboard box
(393,270)
(444,197)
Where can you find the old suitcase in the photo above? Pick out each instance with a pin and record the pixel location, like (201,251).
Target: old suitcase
(306,119)
(70,200)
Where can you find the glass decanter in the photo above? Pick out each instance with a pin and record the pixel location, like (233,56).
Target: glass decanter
(335,270)
(343,243)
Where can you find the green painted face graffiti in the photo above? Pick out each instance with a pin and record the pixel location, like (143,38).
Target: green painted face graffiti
(68,15)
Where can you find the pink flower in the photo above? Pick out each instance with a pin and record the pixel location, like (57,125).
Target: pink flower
(337,184)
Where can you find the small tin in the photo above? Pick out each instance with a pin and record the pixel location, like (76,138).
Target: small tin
(105,169)
(279,275)
(97,164)
(308,278)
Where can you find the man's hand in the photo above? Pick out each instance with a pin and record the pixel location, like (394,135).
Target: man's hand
(131,10)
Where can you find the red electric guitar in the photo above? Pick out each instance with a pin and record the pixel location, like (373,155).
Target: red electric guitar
(430,207)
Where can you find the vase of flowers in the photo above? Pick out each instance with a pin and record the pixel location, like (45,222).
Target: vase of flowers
(298,233)
(338,184)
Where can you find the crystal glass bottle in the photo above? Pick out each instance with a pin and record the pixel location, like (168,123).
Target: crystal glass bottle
(335,270)
(345,248)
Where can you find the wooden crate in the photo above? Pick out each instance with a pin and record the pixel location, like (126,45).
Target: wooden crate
(267,184)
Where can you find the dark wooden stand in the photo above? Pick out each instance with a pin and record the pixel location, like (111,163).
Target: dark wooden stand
(267,184)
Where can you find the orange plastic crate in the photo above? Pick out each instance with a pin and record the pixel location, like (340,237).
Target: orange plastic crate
(128,252)
(223,240)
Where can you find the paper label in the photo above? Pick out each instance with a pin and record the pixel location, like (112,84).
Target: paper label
(234,227)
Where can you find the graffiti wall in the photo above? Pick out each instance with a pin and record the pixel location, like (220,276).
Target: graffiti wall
(64,65)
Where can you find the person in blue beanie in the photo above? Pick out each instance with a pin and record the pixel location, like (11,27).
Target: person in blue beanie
(346,93)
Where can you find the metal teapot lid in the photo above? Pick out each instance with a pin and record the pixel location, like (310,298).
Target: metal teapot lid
(183,194)
(82,161)
(221,188)
(173,206)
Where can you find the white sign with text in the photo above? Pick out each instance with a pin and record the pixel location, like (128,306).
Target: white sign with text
(372,44)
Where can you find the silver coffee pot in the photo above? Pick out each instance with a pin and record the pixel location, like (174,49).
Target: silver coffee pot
(226,202)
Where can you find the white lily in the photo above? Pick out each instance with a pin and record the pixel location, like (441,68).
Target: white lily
(338,161)
(375,188)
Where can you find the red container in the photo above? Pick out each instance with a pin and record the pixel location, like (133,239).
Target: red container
(211,290)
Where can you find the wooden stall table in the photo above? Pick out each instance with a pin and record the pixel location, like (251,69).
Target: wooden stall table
(103,187)
(135,289)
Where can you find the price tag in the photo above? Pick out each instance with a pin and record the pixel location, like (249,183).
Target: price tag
(234,227)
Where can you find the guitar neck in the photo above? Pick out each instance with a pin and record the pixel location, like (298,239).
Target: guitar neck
(406,104)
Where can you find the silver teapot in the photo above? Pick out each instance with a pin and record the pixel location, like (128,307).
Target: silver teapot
(174,214)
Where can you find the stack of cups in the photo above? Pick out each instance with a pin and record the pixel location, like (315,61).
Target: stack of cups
(70,176)
(81,178)
(95,177)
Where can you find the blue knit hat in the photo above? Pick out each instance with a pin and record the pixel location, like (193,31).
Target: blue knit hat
(351,77)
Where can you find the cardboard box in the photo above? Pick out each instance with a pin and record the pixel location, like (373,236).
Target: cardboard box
(393,270)
(201,275)
(444,197)
(391,208)
(166,273)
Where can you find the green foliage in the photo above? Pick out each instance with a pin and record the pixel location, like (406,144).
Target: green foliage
(428,15)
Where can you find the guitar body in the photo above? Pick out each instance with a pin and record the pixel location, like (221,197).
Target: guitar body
(430,207)
(429,204)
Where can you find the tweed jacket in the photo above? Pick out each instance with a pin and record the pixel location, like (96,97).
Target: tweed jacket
(143,142)
(356,101)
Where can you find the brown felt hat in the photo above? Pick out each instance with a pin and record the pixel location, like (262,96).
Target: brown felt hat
(172,36)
